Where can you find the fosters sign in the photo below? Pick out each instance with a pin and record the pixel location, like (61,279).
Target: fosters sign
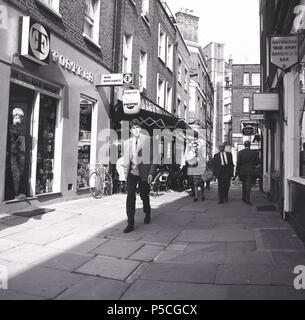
(35,42)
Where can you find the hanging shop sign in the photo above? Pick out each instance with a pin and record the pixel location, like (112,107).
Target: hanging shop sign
(131,101)
(285,51)
(35,41)
(248,131)
(116,79)
(266,102)
(257,117)
(71,66)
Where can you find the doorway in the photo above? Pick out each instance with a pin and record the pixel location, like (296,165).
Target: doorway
(19,143)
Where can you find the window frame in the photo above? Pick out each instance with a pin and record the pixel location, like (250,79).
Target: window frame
(161,43)
(53,7)
(246,99)
(143,71)
(168,106)
(160,97)
(127,53)
(93,19)
(245,83)
(170,54)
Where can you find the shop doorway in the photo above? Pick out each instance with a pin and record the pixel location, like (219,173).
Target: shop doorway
(19,143)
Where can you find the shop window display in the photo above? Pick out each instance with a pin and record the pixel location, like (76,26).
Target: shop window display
(84,145)
(46,143)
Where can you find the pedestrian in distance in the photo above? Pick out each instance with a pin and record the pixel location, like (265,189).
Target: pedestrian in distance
(139,170)
(247,159)
(195,165)
(223,169)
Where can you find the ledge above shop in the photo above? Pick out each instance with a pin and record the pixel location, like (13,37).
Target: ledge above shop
(297,180)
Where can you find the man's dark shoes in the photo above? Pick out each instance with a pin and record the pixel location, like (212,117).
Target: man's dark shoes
(248,203)
(128,229)
(203,198)
(220,202)
(195,199)
(147,219)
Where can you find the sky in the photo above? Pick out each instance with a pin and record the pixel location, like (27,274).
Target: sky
(234,23)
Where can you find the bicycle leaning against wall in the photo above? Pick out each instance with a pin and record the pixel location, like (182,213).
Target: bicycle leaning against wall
(100,181)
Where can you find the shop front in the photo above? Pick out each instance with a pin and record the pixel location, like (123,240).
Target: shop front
(53,114)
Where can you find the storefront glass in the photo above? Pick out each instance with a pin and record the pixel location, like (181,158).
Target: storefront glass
(84,144)
(46,143)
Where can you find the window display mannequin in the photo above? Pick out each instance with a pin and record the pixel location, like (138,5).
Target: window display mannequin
(17,151)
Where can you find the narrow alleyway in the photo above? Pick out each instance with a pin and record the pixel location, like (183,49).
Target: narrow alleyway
(191,251)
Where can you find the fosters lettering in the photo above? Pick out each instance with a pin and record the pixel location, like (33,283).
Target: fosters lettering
(71,66)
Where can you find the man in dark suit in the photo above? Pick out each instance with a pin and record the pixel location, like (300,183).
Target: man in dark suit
(246,161)
(223,168)
(139,169)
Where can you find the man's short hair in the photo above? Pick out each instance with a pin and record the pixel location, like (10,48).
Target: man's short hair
(134,123)
(247,144)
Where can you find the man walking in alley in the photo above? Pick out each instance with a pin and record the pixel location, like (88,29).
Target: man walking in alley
(246,161)
(223,168)
(139,169)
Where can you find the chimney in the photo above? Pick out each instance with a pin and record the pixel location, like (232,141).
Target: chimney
(188,24)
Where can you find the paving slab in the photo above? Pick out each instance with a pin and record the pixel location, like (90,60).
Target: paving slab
(187,273)
(195,236)
(94,288)
(38,237)
(233,235)
(8,295)
(117,248)
(6,244)
(256,292)
(77,243)
(147,253)
(109,267)
(161,290)
(27,253)
(275,239)
(289,258)
(43,282)
(66,261)
(163,237)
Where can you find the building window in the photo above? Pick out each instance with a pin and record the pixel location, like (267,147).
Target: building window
(185,112)
(84,144)
(169,97)
(145,8)
(52,4)
(161,43)
(127,53)
(179,108)
(256,79)
(185,79)
(170,54)
(246,106)
(246,79)
(179,70)
(92,19)
(143,70)
(160,91)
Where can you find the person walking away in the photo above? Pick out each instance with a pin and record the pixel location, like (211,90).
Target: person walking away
(247,159)
(137,171)
(223,170)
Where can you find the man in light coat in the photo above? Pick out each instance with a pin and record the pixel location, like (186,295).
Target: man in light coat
(139,169)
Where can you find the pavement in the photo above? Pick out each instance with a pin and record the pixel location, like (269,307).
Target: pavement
(189,251)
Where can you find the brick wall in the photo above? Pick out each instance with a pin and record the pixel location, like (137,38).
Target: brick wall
(71,26)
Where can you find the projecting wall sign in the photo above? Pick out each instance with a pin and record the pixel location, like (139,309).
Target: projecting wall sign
(285,51)
(35,42)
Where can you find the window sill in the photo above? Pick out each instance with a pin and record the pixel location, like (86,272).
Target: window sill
(92,41)
(162,60)
(50,9)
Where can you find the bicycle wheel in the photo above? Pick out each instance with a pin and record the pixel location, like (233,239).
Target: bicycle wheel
(107,185)
(95,185)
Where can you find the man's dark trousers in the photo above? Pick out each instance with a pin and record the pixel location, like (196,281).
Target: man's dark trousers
(223,188)
(144,189)
(247,182)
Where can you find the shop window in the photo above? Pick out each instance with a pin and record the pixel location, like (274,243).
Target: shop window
(84,144)
(46,145)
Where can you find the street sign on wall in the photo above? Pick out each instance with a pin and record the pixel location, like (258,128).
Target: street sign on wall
(284,51)
(116,79)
